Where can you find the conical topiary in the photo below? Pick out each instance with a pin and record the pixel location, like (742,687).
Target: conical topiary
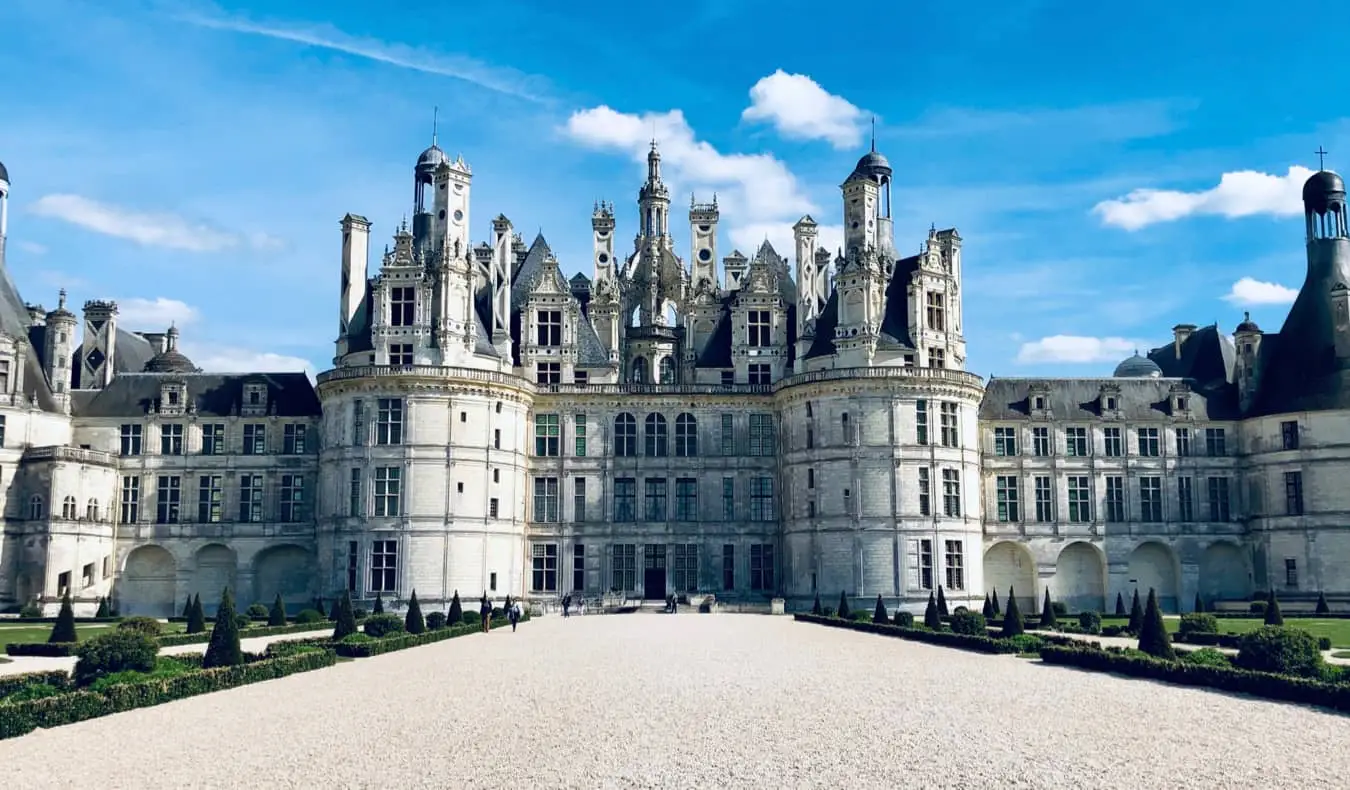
(379,604)
(1322,608)
(932,618)
(104,610)
(1199,603)
(318,607)
(879,614)
(1048,619)
(1273,614)
(456,611)
(1012,619)
(942,603)
(843,606)
(64,628)
(223,649)
(815,606)
(413,622)
(277,616)
(187,607)
(1136,615)
(998,610)
(988,610)
(345,623)
(1153,638)
(1120,605)
(196,618)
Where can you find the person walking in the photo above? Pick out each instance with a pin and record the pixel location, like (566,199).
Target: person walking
(485,609)
(567,605)
(514,614)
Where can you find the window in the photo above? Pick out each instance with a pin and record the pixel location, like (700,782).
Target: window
(384,566)
(579,499)
(937,312)
(728,435)
(4,375)
(951,493)
(1183,442)
(623,572)
(761,567)
(728,378)
(389,421)
(579,567)
(729,498)
(168,499)
(355,500)
(255,439)
(761,435)
(956,571)
(1075,442)
(1038,403)
(1216,442)
(548,331)
(292,499)
(1008,509)
(686,499)
(544,568)
(402,306)
(638,373)
(761,499)
(949,432)
(353,552)
(63,583)
(759,324)
(210,499)
(1112,403)
(388,489)
(1080,500)
(667,368)
(87,577)
(1290,572)
(810,437)
(579,427)
(359,434)
(1148,442)
(1150,499)
(131,500)
(846,428)
(1005,442)
(728,566)
(250,498)
(686,436)
(171,439)
(400,354)
(810,477)
(91,510)
(625,436)
(811,508)
(1289,434)
(1045,500)
(1115,499)
(1218,499)
(69,509)
(686,568)
(758,373)
(625,499)
(921,421)
(548,372)
(848,501)
(925,492)
(131,439)
(654,499)
(547,435)
(937,358)
(293,439)
(926,564)
(2,420)
(655,436)
(493,507)
(545,501)
(1114,442)
(580,378)
(35,507)
(1293,493)
(1040,442)
(1185,499)
(496,438)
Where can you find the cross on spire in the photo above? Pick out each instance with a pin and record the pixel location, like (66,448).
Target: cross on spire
(1321,158)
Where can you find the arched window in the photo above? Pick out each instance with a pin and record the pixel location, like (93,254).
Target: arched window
(686,436)
(848,428)
(68,508)
(91,510)
(625,436)
(808,409)
(667,370)
(656,435)
(638,375)
(35,507)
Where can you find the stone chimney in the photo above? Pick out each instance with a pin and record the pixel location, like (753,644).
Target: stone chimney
(1180,333)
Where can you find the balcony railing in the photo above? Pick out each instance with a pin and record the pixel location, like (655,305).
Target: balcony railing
(913,374)
(422,371)
(71,454)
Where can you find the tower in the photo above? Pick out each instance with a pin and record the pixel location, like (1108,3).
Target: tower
(703,244)
(355,271)
(4,209)
(867,204)
(450,222)
(99,345)
(424,178)
(602,238)
(1247,338)
(810,295)
(499,280)
(60,342)
(934,294)
(1328,236)
(653,203)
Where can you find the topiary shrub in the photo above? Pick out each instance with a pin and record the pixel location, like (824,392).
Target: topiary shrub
(1257,607)
(815,605)
(1120,606)
(63,630)
(988,610)
(1048,617)
(844,613)
(1136,615)
(145,625)
(318,607)
(456,613)
(223,649)
(187,607)
(379,604)
(1090,622)
(469,618)
(1153,638)
(860,616)
(1198,623)
(1322,608)
(1273,614)
(413,622)
(1207,657)
(435,621)
(380,625)
(1025,643)
(256,611)
(346,618)
(30,611)
(196,619)
(997,610)
(104,610)
(243,621)
(277,614)
(309,616)
(119,650)
(1012,620)
(1199,605)
(1287,651)
(932,618)
(904,619)
(879,613)
(941,604)
(970,623)
(359,613)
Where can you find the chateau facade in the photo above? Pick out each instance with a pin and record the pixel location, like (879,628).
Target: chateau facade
(760,429)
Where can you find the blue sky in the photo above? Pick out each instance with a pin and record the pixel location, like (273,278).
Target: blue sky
(1111,176)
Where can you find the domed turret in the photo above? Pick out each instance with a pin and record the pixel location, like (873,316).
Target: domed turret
(432,158)
(1138,367)
(1321,189)
(1247,325)
(171,360)
(873,165)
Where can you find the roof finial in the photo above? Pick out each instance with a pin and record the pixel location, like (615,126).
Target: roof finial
(1321,158)
(435,120)
(61,299)
(874,134)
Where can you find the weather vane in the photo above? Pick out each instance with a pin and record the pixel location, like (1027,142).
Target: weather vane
(1321,160)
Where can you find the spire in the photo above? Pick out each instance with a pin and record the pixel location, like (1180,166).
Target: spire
(61,300)
(435,120)
(874,134)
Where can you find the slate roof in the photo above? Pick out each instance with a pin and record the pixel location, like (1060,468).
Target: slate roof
(1297,368)
(214,394)
(1009,399)
(894,322)
(14,321)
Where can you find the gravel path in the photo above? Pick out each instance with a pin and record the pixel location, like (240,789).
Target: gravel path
(725,701)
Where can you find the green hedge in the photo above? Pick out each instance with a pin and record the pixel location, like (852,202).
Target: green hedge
(1260,684)
(52,620)
(42,649)
(170,640)
(1233,641)
(404,641)
(12,683)
(978,644)
(19,718)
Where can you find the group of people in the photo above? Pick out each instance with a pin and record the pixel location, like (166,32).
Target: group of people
(512,609)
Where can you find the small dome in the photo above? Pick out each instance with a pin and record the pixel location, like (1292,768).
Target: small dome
(432,158)
(873,165)
(1138,367)
(61,313)
(1248,325)
(1320,188)
(171,360)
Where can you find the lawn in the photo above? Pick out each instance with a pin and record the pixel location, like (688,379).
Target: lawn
(1337,630)
(38,632)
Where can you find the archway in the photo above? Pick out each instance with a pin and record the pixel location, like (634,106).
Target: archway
(287,569)
(216,565)
(1080,578)
(149,583)
(1009,565)
(1154,567)
(1224,575)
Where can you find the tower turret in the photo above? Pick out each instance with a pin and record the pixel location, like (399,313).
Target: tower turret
(703,245)
(355,273)
(99,345)
(450,222)
(602,237)
(1247,338)
(811,294)
(653,202)
(60,342)
(735,265)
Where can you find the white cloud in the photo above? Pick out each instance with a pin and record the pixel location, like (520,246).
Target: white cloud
(147,229)
(1239,194)
(154,315)
(800,109)
(225,359)
(32,247)
(1249,292)
(1076,349)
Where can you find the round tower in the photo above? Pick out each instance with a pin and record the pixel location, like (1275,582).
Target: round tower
(60,343)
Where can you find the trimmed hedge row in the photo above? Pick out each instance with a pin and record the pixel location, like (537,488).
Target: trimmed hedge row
(20,718)
(1233,641)
(978,644)
(404,641)
(42,649)
(170,640)
(52,620)
(12,683)
(1260,684)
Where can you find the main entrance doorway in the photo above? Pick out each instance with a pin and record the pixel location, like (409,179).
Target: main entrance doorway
(654,571)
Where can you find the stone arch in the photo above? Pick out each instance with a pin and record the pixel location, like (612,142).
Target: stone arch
(287,569)
(639,373)
(1080,577)
(1224,573)
(667,368)
(1154,566)
(216,570)
(1009,565)
(148,585)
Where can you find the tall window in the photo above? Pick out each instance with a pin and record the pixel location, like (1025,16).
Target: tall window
(171,439)
(91,510)
(168,499)
(686,568)
(353,553)
(400,354)
(389,421)
(761,499)
(761,567)
(761,435)
(250,498)
(951,493)
(654,499)
(760,326)
(1114,444)
(1290,572)
(729,498)
(937,357)
(937,312)
(1080,499)
(580,427)
(4,375)
(579,499)
(293,439)
(1009,508)
(1005,442)
(1148,442)
(686,436)
(623,571)
(667,368)
(210,499)
(360,434)
(949,426)
(131,439)
(955,564)
(1289,435)
(292,499)
(1040,442)
(402,306)
(728,434)
(131,499)
(728,566)
(1115,498)
(686,499)
(1150,499)
(1045,500)
(1216,442)
(625,436)
(384,566)
(759,373)
(355,499)
(579,567)
(69,508)
(926,564)
(1218,499)
(36,510)
(544,567)
(921,421)
(1183,442)
(548,329)
(846,428)
(548,372)
(1293,493)
(255,439)
(1076,442)
(655,435)
(545,500)
(925,492)
(388,490)
(1185,499)
(625,499)
(547,435)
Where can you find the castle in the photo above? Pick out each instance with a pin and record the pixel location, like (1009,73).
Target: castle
(769,429)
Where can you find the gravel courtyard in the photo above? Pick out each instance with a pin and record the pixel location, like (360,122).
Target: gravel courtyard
(716,701)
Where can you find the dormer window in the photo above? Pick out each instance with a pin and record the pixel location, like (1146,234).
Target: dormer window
(548,327)
(172,397)
(255,399)
(1038,403)
(759,326)
(1112,403)
(1183,403)
(4,376)
(402,306)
